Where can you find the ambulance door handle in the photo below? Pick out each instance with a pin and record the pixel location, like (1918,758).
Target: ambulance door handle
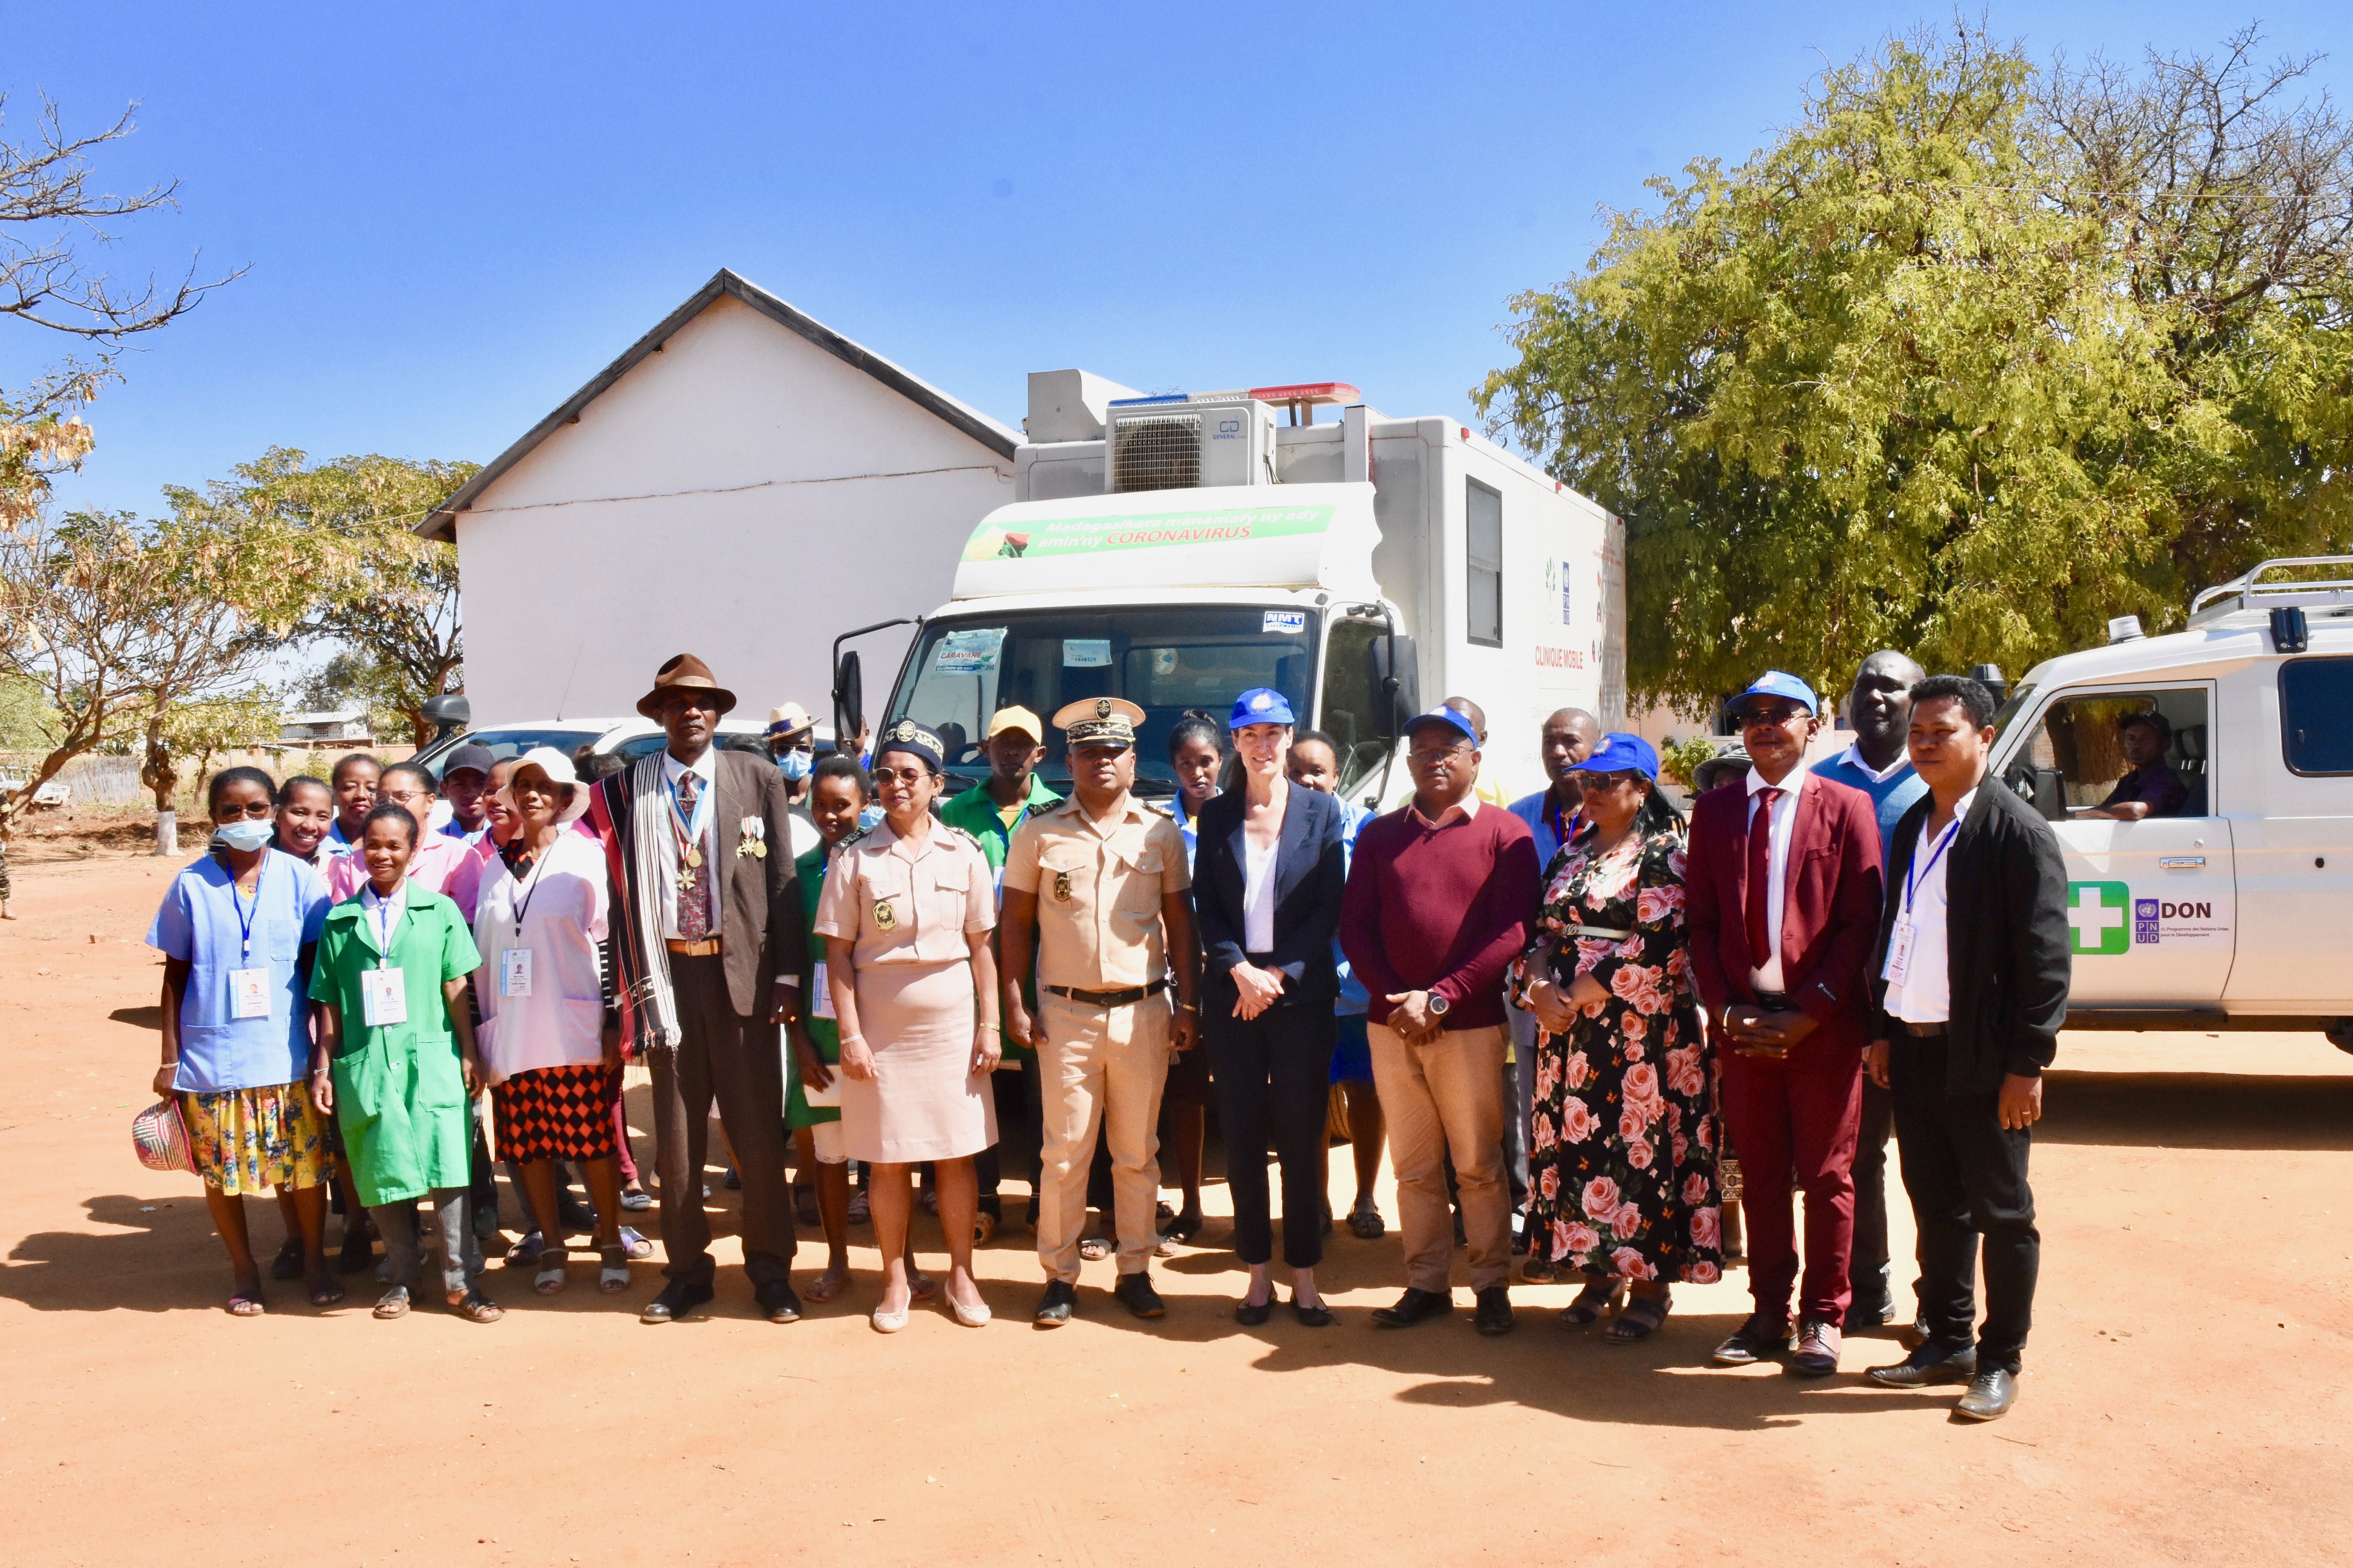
(2179,862)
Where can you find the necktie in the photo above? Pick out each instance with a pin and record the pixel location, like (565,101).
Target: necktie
(1760,873)
(694,877)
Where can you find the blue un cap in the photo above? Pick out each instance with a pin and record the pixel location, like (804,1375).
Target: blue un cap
(1261,705)
(1442,716)
(1778,683)
(1620,753)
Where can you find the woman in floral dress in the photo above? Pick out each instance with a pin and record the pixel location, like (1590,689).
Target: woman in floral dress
(1622,1156)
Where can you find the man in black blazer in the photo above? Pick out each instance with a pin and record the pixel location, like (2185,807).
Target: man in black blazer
(1973,966)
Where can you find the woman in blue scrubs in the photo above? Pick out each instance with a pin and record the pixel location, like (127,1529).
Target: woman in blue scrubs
(236,930)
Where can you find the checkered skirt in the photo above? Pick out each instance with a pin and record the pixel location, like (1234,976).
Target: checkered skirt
(557,1113)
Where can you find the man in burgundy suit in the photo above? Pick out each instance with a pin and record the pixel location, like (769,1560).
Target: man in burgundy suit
(1782,896)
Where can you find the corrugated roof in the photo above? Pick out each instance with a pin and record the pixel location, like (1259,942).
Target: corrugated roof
(440,523)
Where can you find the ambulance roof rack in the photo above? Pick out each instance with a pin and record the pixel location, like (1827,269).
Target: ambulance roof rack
(2302,588)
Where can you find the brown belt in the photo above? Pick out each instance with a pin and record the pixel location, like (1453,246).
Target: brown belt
(1920,1031)
(1109,998)
(707,948)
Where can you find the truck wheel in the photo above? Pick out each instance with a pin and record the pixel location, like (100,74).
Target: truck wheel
(2340,1033)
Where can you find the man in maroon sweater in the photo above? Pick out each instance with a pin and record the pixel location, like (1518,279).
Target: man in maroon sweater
(1440,894)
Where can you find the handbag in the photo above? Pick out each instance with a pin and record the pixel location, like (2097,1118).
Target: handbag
(160,1136)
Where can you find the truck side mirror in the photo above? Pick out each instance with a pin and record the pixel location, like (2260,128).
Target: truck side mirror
(447,713)
(2042,788)
(1397,682)
(849,703)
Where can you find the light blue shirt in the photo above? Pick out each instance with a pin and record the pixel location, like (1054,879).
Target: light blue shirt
(1891,792)
(1354,998)
(200,922)
(335,842)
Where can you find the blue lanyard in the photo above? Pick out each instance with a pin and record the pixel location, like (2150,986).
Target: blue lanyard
(243,920)
(694,830)
(384,925)
(1915,875)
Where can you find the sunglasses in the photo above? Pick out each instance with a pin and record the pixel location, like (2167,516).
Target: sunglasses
(1771,715)
(900,776)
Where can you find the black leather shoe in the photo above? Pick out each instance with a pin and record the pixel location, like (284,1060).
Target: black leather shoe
(1930,1364)
(679,1300)
(1817,1352)
(1251,1317)
(1863,1315)
(1414,1306)
(1054,1306)
(1494,1313)
(1754,1341)
(1134,1292)
(1991,1394)
(776,1299)
(1317,1317)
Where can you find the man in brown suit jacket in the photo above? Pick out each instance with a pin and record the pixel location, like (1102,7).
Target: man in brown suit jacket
(707,945)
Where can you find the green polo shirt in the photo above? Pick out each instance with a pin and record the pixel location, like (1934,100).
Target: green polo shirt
(976,811)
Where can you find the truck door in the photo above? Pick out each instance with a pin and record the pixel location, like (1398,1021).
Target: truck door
(2151,902)
(2296,853)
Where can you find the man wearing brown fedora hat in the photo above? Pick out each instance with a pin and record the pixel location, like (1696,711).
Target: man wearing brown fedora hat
(707,943)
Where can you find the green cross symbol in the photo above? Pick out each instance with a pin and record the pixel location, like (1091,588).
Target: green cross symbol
(2099,915)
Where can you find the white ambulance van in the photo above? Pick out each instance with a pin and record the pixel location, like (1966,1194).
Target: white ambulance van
(2230,905)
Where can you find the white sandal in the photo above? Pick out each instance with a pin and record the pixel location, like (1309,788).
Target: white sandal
(550,1277)
(613,1276)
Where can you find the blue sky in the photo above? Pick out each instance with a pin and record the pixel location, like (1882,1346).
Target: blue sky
(453,216)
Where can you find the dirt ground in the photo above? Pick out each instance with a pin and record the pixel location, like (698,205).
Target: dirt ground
(2185,1399)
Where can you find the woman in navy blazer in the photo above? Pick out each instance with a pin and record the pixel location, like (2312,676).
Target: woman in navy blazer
(1267,878)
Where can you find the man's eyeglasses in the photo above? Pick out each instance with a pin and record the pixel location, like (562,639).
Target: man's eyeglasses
(1771,716)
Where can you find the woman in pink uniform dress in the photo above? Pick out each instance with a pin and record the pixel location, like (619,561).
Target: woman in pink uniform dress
(905,915)
(550,1053)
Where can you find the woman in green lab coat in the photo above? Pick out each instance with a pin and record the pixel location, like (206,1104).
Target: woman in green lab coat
(396,1060)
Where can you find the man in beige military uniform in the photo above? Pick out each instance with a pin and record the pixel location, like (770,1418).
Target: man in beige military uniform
(1099,882)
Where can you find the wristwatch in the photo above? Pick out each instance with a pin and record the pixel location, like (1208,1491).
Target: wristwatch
(1437,1006)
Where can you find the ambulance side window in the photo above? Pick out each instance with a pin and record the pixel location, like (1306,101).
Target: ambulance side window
(2095,753)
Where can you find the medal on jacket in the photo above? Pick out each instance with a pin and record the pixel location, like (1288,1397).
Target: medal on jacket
(885,917)
(1062,886)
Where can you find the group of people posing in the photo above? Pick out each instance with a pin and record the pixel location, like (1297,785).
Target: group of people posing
(1575,1006)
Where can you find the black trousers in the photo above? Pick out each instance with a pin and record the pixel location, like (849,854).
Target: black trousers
(1966,1177)
(1867,1273)
(1273,1077)
(733,1059)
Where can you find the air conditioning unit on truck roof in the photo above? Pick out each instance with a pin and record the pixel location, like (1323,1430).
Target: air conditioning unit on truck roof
(1180,443)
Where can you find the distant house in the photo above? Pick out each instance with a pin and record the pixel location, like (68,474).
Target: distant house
(338,727)
(744,484)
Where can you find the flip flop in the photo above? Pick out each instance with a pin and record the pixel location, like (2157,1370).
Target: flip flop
(1636,1321)
(394,1303)
(636,1200)
(637,1246)
(247,1304)
(325,1292)
(1095,1248)
(1368,1224)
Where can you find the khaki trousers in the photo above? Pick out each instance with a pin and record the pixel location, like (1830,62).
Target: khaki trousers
(1100,1066)
(1447,1095)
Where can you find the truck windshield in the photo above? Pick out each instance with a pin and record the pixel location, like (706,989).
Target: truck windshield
(1164,658)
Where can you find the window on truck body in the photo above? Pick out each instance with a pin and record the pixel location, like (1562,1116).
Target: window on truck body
(1483,576)
(2316,716)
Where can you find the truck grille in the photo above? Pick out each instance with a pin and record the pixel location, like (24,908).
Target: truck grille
(1157,452)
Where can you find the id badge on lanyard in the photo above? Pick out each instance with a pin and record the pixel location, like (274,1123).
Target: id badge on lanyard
(1898,970)
(384,990)
(821,1004)
(514,971)
(249,992)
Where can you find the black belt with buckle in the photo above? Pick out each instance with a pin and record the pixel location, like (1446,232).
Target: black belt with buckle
(1920,1031)
(1109,998)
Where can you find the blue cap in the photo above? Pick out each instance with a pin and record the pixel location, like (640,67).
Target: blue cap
(1620,753)
(1261,705)
(1442,716)
(1776,683)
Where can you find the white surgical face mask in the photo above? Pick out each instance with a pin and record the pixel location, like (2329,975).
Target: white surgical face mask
(246,834)
(796,765)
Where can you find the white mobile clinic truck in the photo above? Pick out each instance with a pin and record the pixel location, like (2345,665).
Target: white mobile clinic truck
(2234,911)
(1177,551)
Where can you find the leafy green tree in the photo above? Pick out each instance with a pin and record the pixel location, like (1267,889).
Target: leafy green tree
(1970,359)
(383,598)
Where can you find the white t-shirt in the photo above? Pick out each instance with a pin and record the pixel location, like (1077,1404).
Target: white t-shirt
(1258,895)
